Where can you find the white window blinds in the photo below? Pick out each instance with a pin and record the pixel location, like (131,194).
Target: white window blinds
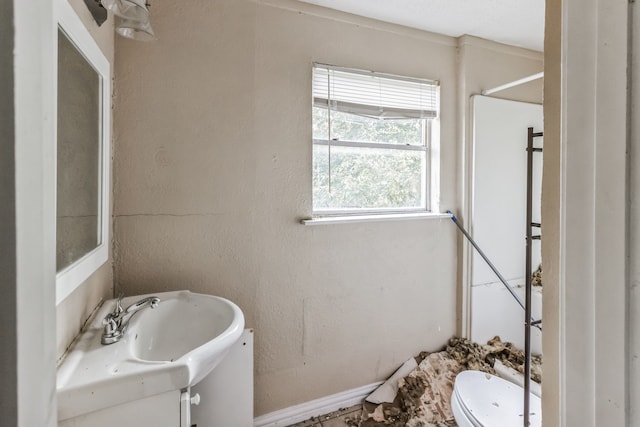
(375,95)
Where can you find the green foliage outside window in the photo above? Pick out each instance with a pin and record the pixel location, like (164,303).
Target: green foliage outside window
(365,177)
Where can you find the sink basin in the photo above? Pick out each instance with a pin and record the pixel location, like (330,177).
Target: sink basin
(170,347)
(185,327)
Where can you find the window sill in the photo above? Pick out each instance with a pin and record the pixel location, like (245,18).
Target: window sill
(344,219)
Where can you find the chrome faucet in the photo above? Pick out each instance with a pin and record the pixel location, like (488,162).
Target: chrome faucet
(116,322)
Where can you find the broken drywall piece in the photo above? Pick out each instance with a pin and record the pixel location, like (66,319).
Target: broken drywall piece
(426,392)
(388,390)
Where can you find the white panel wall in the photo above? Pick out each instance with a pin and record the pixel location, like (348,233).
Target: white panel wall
(499,216)
(34,103)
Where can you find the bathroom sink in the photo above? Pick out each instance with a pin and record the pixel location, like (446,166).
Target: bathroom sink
(193,328)
(170,347)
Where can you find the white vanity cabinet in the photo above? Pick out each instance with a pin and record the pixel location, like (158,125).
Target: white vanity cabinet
(224,398)
(226,394)
(162,410)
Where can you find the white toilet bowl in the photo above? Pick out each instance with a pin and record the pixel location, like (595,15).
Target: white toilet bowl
(484,400)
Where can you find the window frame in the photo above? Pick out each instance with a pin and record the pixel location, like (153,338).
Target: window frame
(428,194)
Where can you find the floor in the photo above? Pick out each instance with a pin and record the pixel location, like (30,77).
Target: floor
(341,418)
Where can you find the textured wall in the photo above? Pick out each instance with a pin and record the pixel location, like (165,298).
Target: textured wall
(77,307)
(552,384)
(212,173)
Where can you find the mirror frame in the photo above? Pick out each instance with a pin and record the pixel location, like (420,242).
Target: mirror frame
(68,279)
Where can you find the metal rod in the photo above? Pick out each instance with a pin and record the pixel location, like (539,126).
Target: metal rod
(514,83)
(484,257)
(536,323)
(527,275)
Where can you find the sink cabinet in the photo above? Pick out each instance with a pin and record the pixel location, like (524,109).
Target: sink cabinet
(227,392)
(162,410)
(172,347)
(226,399)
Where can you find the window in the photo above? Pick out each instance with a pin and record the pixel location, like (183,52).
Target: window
(373,135)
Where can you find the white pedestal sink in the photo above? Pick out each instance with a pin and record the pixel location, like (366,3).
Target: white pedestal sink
(171,347)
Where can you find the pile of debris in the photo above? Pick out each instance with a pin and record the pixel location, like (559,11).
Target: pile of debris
(536,277)
(423,386)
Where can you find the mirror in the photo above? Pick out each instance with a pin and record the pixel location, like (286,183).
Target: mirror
(78,156)
(82,154)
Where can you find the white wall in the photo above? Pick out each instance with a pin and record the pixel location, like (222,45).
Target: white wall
(498,217)
(584,214)
(212,169)
(484,65)
(34,280)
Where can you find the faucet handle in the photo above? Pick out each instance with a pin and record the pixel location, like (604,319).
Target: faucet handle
(119,308)
(112,332)
(110,324)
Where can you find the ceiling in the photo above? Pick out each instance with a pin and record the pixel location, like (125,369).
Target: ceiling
(514,22)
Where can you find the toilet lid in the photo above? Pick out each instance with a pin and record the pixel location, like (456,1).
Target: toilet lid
(492,401)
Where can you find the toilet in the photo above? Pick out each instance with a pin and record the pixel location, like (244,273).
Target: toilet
(483,400)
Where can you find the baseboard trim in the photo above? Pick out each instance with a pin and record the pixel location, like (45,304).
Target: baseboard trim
(314,408)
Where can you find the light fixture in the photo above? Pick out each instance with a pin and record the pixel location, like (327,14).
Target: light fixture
(133,17)
(136,30)
(135,22)
(128,9)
